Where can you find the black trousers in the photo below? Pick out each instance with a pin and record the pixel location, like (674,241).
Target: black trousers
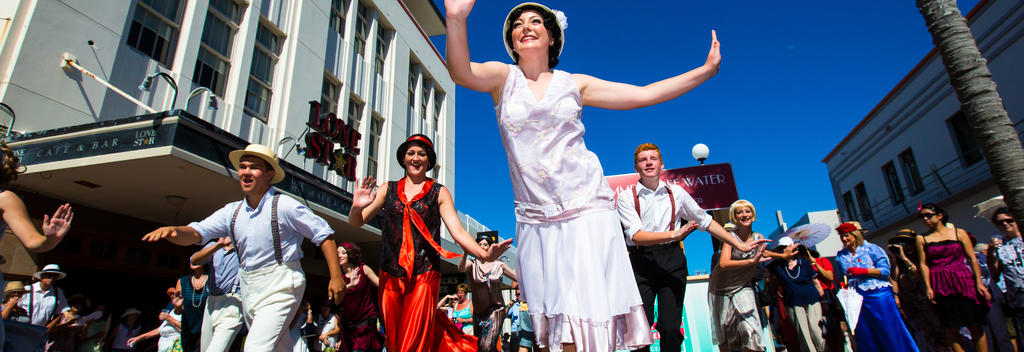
(661,273)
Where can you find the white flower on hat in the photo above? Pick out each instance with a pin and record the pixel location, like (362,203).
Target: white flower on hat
(563,22)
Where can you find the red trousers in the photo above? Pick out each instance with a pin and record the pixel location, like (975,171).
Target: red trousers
(412,320)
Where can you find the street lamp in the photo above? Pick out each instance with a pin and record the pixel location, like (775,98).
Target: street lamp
(148,83)
(212,104)
(11,112)
(700,152)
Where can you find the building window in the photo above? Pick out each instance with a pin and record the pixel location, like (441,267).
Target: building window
(355,113)
(969,151)
(910,172)
(215,47)
(379,59)
(892,181)
(438,106)
(362,29)
(851,208)
(154,29)
(329,95)
(424,98)
(862,201)
(261,74)
(338,9)
(373,144)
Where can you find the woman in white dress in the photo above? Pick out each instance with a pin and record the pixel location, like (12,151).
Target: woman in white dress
(572,265)
(169,330)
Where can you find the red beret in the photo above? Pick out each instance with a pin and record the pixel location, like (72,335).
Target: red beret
(846,227)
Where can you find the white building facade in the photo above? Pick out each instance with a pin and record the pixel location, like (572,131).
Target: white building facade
(916,147)
(90,134)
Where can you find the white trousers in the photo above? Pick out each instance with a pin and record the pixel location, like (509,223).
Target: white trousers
(270,299)
(222,319)
(806,319)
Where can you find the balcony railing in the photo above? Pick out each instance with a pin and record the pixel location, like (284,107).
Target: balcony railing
(939,182)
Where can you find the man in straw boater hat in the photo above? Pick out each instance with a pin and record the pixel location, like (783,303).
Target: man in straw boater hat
(44,301)
(267,231)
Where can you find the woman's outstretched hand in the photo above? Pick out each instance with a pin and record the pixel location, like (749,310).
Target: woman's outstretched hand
(365,193)
(58,225)
(458,9)
(496,250)
(715,54)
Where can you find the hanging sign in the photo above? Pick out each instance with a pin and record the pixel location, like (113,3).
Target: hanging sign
(329,131)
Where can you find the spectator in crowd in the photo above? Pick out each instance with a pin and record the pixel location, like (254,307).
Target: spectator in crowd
(194,291)
(169,330)
(44,301)
(222,315)
(15,217)
(526,334)
(513,321)
(735,323)
(127,328)
(296,329)
(359,310)
(268,230)
(866,266)
(801,293)
(1006,261)
(12,294)
(326,325)
(995,327)
(833,322)
(95,331)
(463,309)
(952,278)
(911,296)
(62,332)
(488,304)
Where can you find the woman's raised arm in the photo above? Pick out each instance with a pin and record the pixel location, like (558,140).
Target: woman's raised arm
(486,77)
(620,96)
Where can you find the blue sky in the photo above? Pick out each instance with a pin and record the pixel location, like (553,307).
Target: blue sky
(796,77)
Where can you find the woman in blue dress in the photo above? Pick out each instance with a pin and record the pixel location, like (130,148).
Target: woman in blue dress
(879,326)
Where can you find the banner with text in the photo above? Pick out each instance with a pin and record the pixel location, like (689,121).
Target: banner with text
(712,186)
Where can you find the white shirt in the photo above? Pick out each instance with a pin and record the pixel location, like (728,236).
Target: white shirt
(253,233)
(656,209)
(168,333)
(46,304)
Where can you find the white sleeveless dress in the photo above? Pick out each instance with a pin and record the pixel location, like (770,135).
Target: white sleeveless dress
(573,265)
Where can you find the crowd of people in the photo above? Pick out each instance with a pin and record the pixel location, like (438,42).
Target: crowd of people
(591,263)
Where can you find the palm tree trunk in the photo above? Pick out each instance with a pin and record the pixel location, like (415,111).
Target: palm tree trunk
(979,99)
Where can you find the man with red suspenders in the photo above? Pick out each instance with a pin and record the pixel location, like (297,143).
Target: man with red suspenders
(650,212)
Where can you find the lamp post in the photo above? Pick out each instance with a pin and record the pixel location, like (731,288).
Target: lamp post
(147,83)
(212,104)
(11,112)
(700,152)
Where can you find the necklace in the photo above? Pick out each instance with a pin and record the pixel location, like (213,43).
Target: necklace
(791,276)
(197,297)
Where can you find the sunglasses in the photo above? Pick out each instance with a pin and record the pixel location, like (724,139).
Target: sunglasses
(1004,222)
(926,215)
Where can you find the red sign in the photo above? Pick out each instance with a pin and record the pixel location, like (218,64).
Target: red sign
(712,186)
(328,131)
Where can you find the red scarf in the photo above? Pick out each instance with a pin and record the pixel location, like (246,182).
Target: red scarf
(407,255)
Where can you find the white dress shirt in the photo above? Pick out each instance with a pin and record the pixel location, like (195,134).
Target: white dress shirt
(656,209)
(46,304)
(253,233)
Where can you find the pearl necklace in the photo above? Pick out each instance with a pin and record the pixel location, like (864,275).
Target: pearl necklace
(791,276)
(197,297)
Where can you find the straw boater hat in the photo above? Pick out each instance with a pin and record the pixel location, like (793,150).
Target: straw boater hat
(424,142)
(904,237)
(130,311)
(558,15)
(50,269)
(14,287)
(262,152)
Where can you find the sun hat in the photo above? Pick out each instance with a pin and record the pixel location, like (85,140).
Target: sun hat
(14,287)
(559,16)
(130,311)
(50,269)
(424,142)
(262,152)
(850,226)
(904,236)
